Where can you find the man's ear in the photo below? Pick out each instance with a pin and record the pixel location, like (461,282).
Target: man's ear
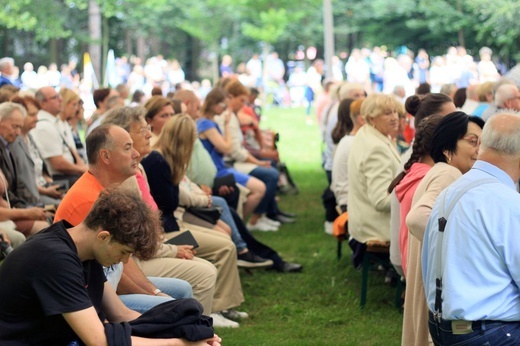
(103,235)
(104,155)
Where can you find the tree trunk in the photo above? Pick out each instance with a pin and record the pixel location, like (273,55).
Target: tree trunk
(461,31)
(214,62)
(94,29)
(104,53)
(53,51)
(141,46)
(194,58)
(128,41)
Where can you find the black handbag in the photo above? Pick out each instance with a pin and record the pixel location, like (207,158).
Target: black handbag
(208,214)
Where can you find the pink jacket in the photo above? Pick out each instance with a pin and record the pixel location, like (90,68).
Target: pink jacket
(404,192)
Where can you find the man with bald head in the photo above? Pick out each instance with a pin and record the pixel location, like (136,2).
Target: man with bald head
(472,101)
(470,257)
(191,101)
(61,157)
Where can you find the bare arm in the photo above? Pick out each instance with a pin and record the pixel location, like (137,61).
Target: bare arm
(22,214)
(63,166)
(223,144)
(51,191)
(86,324)
(114,308)
(133,280)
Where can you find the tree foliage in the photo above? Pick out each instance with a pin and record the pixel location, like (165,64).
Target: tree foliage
(176,28)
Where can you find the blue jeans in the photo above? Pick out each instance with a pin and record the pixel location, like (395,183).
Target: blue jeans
(269,176)
(485,333)
(228,219)
(175,288)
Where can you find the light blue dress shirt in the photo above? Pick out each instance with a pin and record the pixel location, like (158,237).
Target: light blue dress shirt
(480,249)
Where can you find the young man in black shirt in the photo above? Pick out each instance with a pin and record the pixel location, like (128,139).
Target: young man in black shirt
(53,290)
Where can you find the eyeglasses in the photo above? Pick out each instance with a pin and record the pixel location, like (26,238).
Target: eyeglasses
(472,140)
(55,97)
(146,129)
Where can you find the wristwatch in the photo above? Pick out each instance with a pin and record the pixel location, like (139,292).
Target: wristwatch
(156,291)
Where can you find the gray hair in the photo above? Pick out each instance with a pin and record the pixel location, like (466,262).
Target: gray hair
(7,109)
(125,116)
(4,62)
(501,133)
(504,93)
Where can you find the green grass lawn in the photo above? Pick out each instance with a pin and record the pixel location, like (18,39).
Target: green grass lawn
(321,305)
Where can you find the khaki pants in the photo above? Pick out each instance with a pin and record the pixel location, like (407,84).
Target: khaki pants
(214,247)
(201,274)
(219,250)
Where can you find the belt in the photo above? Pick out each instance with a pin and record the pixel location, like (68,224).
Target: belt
(462,327)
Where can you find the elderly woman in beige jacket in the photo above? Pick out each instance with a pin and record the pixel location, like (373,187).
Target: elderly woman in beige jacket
(372,165)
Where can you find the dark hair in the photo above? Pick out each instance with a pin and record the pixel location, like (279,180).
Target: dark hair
(128,219)
(155,104)
(460,97)
(450,129)
(423,106)
(137,96)
(423,89)
(421,146)
(345,124)
(156,91)
(100,95)
(98,139)
(215,96)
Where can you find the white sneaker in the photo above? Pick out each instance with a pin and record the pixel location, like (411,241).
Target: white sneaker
(261,225)
(220,321)
(328,227)
(233,314)
(270,221)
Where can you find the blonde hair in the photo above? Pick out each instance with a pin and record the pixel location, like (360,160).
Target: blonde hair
(176,143)
(377,104)
(68,96)
(485,89)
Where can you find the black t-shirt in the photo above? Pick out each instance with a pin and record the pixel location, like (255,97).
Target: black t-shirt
(39,281)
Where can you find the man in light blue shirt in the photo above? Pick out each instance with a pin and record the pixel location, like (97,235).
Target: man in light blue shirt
(478,252)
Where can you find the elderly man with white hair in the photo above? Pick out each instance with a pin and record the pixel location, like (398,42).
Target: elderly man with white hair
(507,96)
(470,257)
(7,70)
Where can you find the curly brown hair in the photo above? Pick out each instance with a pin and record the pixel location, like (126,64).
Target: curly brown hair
(128,219)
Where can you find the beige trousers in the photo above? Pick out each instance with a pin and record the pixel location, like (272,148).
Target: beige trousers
(415,317)
(222,253)
(214,292)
